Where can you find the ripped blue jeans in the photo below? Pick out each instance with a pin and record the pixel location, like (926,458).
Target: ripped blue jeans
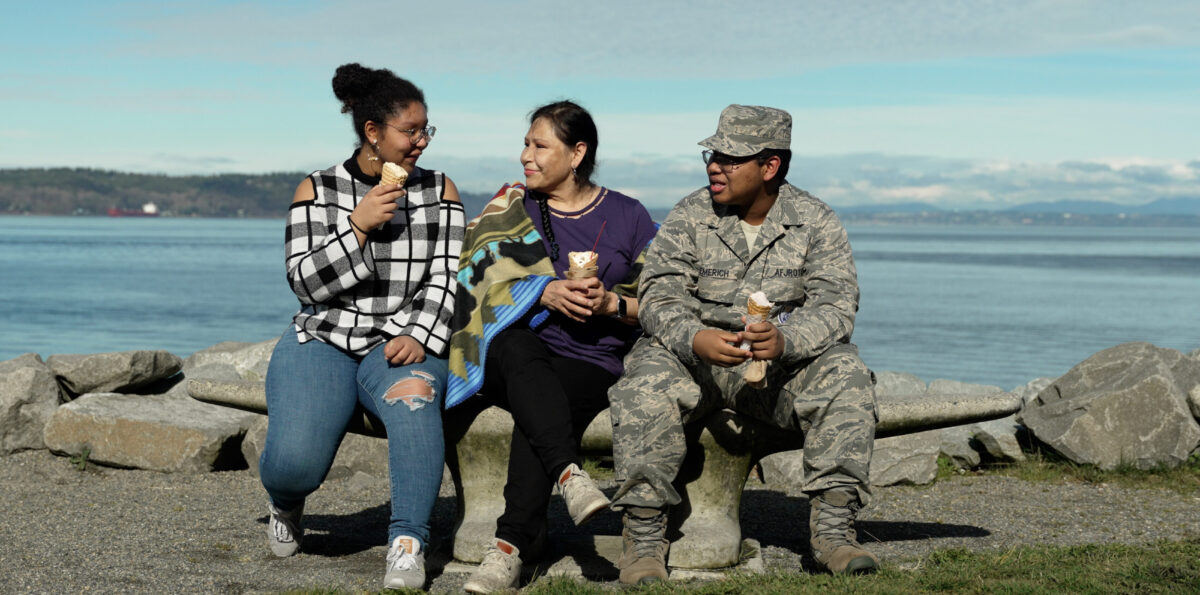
(312,389)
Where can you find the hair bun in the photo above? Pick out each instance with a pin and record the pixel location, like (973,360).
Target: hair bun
(351,82)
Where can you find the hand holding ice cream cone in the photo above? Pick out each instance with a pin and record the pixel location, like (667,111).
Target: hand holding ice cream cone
(758,307)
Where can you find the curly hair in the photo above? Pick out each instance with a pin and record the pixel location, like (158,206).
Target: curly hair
(372,94)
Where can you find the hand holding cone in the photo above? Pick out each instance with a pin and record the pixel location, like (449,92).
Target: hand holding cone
(758,307)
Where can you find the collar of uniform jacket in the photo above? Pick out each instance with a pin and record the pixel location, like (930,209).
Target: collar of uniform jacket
(793,208)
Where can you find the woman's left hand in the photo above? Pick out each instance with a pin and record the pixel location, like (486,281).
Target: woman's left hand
(403,350)
(574,298)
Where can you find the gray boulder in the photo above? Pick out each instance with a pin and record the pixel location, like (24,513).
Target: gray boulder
(908,458)
(899,385)
(1126,404)
(249,359)
(961,444)
(123,371)
(28,397)
(156,432)
(358,454)
(1029,391)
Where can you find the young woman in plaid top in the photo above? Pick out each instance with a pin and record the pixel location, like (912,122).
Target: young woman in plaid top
(374,268)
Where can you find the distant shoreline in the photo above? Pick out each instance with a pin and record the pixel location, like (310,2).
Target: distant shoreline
(1003,219)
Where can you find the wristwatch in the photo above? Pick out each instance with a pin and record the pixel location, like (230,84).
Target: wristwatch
(622,308)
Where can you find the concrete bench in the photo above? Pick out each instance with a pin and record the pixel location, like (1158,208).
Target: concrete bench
(723,448)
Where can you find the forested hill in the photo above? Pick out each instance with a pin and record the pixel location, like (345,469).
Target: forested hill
(65,191)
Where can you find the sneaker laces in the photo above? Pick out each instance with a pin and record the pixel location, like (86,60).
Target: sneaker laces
(496,559)
(282,534)
(399,558)
(647,534)
(281,524)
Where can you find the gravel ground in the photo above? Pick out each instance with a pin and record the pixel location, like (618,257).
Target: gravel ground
(103,530)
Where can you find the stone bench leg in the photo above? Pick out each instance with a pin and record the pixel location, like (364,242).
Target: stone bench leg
(707,530)
(478,461)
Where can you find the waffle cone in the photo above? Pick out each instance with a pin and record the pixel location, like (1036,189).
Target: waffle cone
(755,309)
(393,174)
(583,272)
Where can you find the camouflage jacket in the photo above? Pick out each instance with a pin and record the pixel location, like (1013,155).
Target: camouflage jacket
(699,272)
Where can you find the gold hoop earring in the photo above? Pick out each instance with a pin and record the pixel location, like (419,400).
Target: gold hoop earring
(374,145)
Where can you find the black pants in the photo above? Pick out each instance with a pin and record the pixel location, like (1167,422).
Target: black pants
(552,400)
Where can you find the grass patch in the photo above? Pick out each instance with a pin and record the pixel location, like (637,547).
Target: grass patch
(600,468)
(1162,568)
(1166,567)
(1048,466)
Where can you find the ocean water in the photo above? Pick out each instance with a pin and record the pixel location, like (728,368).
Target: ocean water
(980,304)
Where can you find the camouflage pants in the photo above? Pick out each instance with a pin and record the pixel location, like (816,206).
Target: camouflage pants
(830,399)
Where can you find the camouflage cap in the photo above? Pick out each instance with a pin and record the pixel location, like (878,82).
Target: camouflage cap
(746,130)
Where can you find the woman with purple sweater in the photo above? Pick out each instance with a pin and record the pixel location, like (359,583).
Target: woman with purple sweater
(552,367)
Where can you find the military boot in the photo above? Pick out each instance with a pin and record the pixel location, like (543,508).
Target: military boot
(832,536)
(643,546)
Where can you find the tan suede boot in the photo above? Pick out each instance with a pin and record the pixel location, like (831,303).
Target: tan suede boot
(643,546)
(832,536)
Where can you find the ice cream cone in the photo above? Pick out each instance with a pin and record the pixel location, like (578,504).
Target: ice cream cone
(393,174)
(583,265)
(758,308)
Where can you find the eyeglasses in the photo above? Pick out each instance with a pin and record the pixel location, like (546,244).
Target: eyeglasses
(726,163)
(416,134)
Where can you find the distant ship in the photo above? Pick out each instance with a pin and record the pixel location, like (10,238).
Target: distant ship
(148,210)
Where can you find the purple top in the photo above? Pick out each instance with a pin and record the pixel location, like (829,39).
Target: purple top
(601,340)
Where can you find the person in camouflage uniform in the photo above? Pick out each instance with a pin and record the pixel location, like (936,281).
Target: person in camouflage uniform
(747,231)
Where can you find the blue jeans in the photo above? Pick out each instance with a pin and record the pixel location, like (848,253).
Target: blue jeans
(312,389)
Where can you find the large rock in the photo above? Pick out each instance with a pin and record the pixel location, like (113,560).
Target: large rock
(249,359)
(122,371)
(1029,391)
(1126,404)
(906,459)
(909,458)
(357,453)
(28,397)
(967,446)
(157,432)
(900,385)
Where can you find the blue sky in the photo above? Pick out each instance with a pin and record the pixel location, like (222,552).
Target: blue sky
(968,104)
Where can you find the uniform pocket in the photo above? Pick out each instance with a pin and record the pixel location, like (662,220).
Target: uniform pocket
(717,289)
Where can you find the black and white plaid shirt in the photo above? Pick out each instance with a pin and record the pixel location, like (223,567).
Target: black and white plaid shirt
(400,282)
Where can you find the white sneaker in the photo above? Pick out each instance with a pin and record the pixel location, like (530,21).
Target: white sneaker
(500,569)
(284,532)
(580,493)
(405,564)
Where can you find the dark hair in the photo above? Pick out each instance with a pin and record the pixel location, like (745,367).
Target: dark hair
(372,94)
(571,124)
(785,160)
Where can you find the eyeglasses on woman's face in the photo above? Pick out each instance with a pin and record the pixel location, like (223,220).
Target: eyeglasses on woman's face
(416,134)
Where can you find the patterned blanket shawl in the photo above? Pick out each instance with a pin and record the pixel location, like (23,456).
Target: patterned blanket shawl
(501,274)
